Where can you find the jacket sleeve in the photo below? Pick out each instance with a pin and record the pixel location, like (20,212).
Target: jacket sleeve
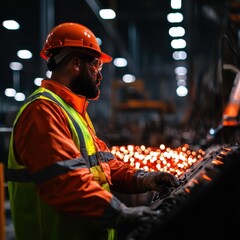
(124,177)
(44,145)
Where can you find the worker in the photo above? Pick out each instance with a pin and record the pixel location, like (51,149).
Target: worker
(61,176)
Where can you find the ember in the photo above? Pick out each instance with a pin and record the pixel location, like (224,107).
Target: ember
(162,158)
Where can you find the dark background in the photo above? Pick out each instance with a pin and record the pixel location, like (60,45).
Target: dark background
(140,34)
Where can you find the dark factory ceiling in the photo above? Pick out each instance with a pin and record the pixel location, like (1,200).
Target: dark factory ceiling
(139,33)
(147,18)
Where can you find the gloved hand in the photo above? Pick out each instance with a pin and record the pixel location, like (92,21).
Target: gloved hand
(131,217)
(158,181)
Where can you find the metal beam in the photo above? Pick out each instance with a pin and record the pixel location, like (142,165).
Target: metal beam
(95,6)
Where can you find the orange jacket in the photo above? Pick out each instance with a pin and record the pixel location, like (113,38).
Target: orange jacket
(43,137)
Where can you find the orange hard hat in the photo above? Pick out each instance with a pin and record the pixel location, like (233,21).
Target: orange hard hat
(72,34)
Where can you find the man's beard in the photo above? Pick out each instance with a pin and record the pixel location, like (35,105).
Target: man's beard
(84,85)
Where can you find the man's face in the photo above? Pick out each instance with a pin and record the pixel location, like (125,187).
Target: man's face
(87,82)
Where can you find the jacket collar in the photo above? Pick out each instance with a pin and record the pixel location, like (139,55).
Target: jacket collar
(78,102)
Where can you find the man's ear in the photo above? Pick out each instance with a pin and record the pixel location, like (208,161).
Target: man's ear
(76,63)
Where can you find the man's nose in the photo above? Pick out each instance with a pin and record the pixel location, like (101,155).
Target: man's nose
(99,76)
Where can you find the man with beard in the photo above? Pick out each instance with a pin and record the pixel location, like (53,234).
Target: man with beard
(60,173)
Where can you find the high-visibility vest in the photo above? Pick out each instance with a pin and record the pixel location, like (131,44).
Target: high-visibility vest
(34,219)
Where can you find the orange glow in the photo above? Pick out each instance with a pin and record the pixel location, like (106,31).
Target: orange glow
(217,162)
(206,177)
(195,181)
(219,157)
(227,149)
(175,161)
(162,146)
(223,153)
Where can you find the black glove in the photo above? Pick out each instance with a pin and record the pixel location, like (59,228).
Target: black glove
(132,213)
(131,217)
(161,182)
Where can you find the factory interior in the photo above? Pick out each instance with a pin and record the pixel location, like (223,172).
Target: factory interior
(177,96)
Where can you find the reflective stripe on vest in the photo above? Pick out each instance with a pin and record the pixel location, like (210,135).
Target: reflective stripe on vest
(56,169)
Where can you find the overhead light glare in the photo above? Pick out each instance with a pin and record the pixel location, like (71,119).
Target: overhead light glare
(107,14)
(120,62)
(16,66)
(11,24)
(176,31)
(178,43)
(10,92)
(19,96)
(180,70)
(99,40)
(182,91)
(179,55)
(175,17)
(38,81)
(129,78)
(24,54)
(48,74)
(176,4)
(181,83)
(181,76)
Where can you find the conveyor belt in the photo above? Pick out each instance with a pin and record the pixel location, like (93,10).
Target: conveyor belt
(206,204)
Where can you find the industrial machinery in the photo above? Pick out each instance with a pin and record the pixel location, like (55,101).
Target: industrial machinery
(204,206)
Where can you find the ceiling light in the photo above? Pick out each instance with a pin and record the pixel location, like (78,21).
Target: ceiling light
(16,66)
(99,40)
(181,77)
(24,54)
(38,81)
(10,92)
(182,91)
(19,96)
(176,31)
(48,74)
(120,62)
(180,70)
(11,24)
(179,55)
(107,14)
(181,83)
(178,43)
(176,4)
(175,17)
(128,78)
